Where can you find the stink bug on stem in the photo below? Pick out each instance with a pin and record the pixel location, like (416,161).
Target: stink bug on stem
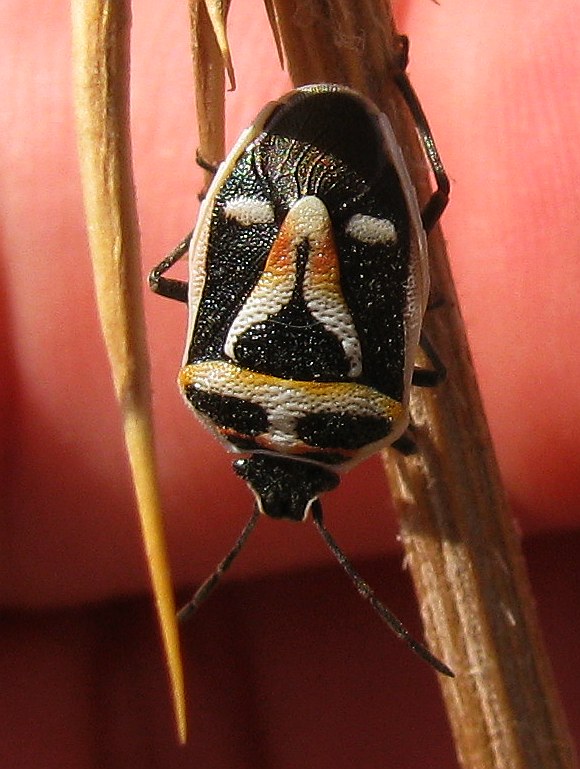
(308,282)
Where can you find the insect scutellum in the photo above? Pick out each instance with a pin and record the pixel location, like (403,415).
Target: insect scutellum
(308,284)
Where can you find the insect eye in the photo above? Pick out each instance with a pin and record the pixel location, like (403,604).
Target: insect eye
(248,211)
(371,229)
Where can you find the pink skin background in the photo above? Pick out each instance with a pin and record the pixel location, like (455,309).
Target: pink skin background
(286,666)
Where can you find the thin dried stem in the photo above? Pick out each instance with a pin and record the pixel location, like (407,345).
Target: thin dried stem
(210,57)
(101,78)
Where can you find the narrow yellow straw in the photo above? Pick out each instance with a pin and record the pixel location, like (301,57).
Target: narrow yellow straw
(101,85)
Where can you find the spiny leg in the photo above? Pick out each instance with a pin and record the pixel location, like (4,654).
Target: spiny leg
(367,592)
(211,582)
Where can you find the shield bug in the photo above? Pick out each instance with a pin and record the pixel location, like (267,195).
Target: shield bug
(308,281)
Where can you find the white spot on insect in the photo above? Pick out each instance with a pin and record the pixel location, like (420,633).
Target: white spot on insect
(371,229)
(308,220)
(247,211)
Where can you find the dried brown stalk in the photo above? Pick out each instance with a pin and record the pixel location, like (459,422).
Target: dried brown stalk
(210,57)
(101,75)
(457,530)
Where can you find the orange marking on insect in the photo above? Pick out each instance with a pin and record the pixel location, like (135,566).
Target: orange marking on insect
(281,256)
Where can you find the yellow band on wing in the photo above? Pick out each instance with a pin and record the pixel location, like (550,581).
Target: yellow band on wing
(295,397)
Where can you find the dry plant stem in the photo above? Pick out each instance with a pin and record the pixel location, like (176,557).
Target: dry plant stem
(208,66)
(336,41)
(458,533)
(101,82)
(469,572)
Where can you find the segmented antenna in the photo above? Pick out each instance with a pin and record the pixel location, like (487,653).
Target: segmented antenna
(367,592)
(207,587)
(364,589)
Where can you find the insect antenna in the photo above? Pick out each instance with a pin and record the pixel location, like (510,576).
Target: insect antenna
(207,587)
(367,592)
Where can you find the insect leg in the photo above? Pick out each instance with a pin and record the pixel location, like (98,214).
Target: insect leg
(406,444)
(169,287)
(210,168)
(425,377)
(422,377)
(438,201)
